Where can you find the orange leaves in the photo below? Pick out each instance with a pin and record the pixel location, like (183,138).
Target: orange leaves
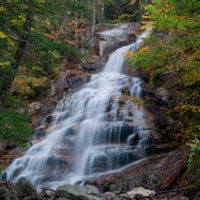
(142,50)
(73,23)
(6,125)
(132,2)
(49,35)
(129,54)
(70,42)
(185,107)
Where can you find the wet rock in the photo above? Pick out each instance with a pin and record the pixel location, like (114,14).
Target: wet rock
(7,195)
(68,191)
(133,139)
(121,34)
(181,198)
(68,80)
(126,90)
(57,161)
(3,177)
(124,196)
(91,189)
(164,148)
(87,192)
(139,193)
(25,188)
(73,129)
(109,196)
(156,172)
(163,94)
(123,99)
(94,63)
(129,118)
(34,107)
(20,150)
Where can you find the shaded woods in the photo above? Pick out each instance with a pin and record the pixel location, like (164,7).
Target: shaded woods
(39,39)
(170,63)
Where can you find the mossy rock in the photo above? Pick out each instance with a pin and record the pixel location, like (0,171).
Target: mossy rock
(25,188)
(7,195)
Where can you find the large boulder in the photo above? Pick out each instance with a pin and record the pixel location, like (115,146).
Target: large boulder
(94,63)
(7,195)
(25,188)
(69,79)
(157,172)
(88,192)
(140,193)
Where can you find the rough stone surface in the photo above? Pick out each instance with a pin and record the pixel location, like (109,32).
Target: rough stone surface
(7,195)
(140,192)
(25,188)
(121,34)
(109,196)
(68,80)
(87,192)
(91,189)
(156,172)
(62,199)
(94,63)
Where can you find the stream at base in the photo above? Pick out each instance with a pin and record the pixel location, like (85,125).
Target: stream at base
(96,130)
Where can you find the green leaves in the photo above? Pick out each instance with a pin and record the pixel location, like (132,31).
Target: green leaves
(193,161)
(14,126)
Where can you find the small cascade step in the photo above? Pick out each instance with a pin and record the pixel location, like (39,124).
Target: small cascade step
(110,158)
(115,134)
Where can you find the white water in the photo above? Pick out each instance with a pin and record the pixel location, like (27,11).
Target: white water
(89,135)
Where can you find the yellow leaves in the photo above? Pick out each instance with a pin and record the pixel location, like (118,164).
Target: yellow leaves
(185,107)
(2,8)
(11,42)
(3,35)
(137,100)
(146,17)
(19,20)
(142,50)
(4,63)
(147,24)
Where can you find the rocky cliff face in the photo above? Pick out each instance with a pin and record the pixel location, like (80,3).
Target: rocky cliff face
(121,34)
(109,37)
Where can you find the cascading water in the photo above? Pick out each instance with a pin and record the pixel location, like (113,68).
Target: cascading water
(91,133)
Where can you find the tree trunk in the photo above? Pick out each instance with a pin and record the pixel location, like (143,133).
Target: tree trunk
(18,56)
(94,20)
(102,12)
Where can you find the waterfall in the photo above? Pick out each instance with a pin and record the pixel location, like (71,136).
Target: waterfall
(91,133)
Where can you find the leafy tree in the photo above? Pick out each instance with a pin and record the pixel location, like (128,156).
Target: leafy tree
(171,57)
(35,38)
